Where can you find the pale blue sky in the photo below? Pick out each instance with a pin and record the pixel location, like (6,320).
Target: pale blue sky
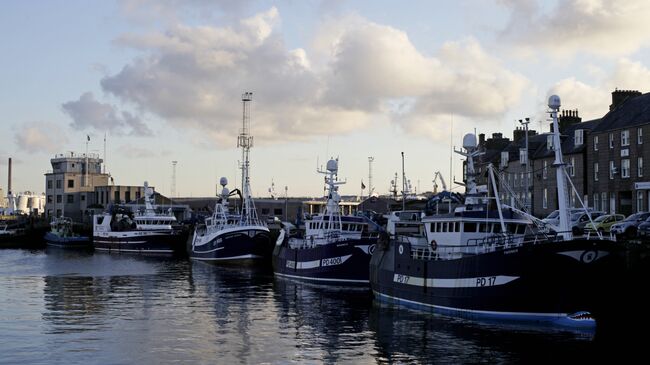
(334,78)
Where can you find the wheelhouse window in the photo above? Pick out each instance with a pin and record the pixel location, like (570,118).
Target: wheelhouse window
(469,227)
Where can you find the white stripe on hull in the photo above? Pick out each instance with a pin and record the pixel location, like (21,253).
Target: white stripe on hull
(477,282)
(241,257)
(323,279)
(125,250)
(121,242)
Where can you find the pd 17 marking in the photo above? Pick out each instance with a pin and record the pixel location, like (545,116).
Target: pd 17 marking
(486,281)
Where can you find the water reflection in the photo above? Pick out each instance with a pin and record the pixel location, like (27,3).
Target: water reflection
(80,307)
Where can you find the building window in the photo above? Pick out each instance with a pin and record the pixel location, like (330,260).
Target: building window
(49,184)
(49,199)
(625,168)
(83,197)
(639,136)
(595,171)
(639,200)
(612,170)
(514,180)
(572,167)
(127,197)
(70,183)
(625,138)
(595,143)
(611,140)
(549,142)
(505,156)
(578,137)
(59,199)
(70,198)
(116,196)
(639,166)
(59,184)
(545,199)
(58,212)
(603,202)
(545,170)
(523,157)
(596,201)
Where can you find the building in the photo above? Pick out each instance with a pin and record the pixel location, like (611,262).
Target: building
(70,185)
(620,181)
(76,187)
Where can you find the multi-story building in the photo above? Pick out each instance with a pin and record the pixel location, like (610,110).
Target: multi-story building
(620,181)
(70,186)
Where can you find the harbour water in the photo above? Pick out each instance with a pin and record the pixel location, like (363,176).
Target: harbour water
(66,307)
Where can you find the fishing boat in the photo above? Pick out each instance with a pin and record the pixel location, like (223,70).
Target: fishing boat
(490,261)
(227,237)
(61,234)
(147,232)
(335,249)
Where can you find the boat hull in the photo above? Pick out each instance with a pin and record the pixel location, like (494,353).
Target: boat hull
(248,245)
(341,263)
(67,242)
(564,283)
(145,242)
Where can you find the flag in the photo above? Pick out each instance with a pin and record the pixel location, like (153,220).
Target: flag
(362,186)
(88,137)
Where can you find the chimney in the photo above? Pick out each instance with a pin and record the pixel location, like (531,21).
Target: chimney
(567,118)
(9,178)
(481,139)
(619,96)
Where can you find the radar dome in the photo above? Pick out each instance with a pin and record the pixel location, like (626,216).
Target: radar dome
(332,165)
(223,181)
(554,102)
(469,141)
(146,184)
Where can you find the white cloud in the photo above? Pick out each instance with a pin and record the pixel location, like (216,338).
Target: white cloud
(602,27)
(593,101)
(89,113)
(357,73)
(40,137)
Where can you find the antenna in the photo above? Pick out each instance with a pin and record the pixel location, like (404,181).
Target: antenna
(104,152)
(451,148)
(173,188)
(245,141)
(371,159)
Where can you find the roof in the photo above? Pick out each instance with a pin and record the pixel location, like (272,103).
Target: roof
(631,113)
(568,141)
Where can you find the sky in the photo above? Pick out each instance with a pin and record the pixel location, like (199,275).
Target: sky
(163,80)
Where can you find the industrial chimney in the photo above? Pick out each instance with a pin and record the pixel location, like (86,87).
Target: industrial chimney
(9,179)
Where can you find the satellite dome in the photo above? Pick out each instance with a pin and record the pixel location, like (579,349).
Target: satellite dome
(554,102)
(223,181)
(332,165)
(469,141)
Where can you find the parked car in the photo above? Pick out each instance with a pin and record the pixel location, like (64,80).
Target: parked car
(643,230)
(580,219)
(604,223)
(629,226)
(554,217)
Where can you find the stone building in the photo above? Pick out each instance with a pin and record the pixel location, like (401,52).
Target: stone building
(620,181)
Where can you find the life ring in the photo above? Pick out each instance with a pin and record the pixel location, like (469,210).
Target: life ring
(434,245)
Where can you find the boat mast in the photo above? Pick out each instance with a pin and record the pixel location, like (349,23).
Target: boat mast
(560,173)
(245,141)
(403,185)
(332,210)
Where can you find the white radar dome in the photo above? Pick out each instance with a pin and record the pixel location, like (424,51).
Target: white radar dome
(469,141)
(554,102)
(332,165)
(223,181)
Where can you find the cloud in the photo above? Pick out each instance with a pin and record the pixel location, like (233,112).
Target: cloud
(593,100)
(38,137)
(356,73)
(139,152)
(89,113)
(602,27)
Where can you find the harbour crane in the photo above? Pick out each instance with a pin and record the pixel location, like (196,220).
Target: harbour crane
(437,176)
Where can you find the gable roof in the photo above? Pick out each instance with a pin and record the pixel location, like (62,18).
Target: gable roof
(631,113)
